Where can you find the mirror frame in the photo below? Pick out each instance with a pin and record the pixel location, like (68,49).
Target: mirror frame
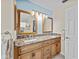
(43,25)
(18,25)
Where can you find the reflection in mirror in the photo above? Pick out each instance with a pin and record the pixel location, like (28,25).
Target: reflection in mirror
(27,22)
(47,24)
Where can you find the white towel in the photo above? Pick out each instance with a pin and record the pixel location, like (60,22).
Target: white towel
(6,47)
(3,49)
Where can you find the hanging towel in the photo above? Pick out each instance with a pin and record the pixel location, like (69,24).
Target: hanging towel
(6,46)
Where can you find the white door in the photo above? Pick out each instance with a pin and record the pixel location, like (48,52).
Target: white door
(71,39)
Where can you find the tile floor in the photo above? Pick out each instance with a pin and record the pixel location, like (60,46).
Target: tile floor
(59,56)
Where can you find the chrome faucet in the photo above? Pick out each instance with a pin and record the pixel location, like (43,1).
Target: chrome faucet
(29,37)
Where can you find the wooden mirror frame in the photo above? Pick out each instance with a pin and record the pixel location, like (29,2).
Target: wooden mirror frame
(43,25)
(18,25)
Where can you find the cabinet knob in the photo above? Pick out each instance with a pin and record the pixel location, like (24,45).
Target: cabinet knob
(33,54)
(56,44)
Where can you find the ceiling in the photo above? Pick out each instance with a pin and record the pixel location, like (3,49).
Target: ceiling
(49,4)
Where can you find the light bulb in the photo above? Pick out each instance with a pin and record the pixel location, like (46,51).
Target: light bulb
(32,12)
(46,16)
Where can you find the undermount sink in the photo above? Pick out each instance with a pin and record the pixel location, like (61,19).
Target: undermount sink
(25,41)
(29,40)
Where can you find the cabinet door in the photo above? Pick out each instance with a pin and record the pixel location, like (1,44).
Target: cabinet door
(37,54)
(47,50)
(25,56)
(47,57)
(53,49)
(58,47)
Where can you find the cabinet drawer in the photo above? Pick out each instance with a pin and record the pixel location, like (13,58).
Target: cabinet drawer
(47,50)
(37,54)
(56,40)
(25,56)
(29,48)
(45,43)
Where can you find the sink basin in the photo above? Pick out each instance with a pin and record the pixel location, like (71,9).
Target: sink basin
(30,40)
(25,41)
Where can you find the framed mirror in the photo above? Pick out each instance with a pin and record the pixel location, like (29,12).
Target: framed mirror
(27,23)
(47,24)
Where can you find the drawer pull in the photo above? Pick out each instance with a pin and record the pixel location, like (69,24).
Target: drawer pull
(56,44)
(33,54)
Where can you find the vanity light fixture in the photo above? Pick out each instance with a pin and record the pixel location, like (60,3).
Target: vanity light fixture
(39,13)
(33,13)
(46,16)
(43,14)
(36,13)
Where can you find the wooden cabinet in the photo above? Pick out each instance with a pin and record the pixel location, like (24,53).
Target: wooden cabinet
(47,52)
(53,49)
(46,43)
(25,56)
(37,54)
(56,48)
(29,48)
(47,56)
(42,50)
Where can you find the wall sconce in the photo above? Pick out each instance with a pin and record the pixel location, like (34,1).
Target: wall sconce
(39,13)
(33,13)
(36,13)
(43,15)
(46,16)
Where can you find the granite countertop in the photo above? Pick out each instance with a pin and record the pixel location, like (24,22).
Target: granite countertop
(22,42)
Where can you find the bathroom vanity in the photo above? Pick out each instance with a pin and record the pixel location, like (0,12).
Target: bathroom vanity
(41,49)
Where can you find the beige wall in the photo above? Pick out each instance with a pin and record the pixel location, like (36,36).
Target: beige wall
(7,14)
(58,24)
(58,20)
